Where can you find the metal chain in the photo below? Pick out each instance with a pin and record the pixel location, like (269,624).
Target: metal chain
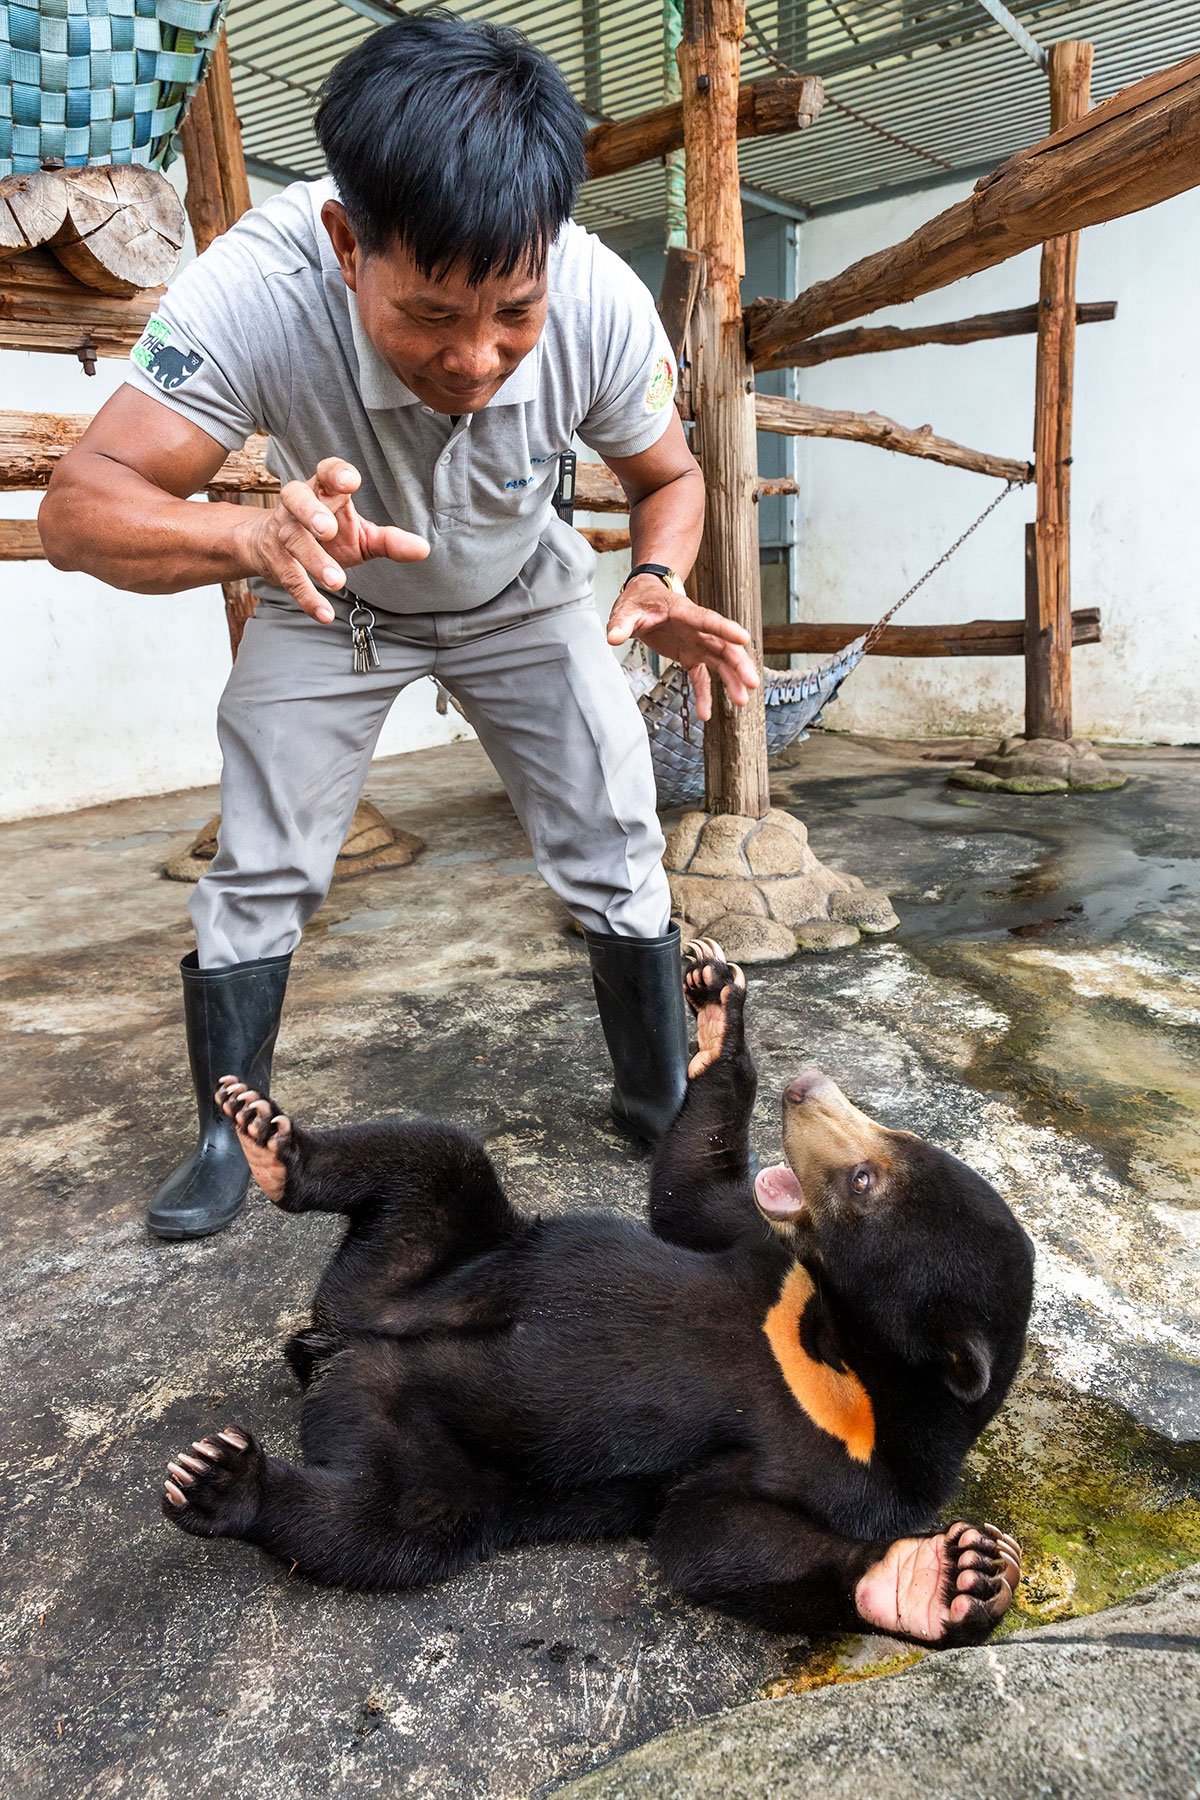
(876,631)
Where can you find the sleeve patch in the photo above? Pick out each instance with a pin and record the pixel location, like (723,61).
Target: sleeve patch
(166,363)
(661,386)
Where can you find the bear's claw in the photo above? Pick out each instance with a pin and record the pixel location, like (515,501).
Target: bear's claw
(712,987)
(263,1132)
(214,1489)
(951,1588)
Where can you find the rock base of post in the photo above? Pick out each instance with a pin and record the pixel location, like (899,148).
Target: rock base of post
(757,886)
(1041,766)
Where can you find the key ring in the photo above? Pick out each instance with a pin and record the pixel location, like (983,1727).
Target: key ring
(361,616)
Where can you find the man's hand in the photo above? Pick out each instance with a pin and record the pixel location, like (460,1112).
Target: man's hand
(316,532)
(692,635)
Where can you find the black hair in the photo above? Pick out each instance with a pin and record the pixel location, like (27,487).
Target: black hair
(459,142)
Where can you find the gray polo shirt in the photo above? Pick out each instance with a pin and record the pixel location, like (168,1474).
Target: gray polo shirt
(261,333)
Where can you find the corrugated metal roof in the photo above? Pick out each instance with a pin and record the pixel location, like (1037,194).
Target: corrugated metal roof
(916,88)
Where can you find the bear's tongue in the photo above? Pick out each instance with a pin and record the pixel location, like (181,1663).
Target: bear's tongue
(778,1193)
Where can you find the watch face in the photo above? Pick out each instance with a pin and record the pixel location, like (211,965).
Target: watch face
(673,582)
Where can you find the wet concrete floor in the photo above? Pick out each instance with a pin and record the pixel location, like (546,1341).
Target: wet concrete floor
(1038,1012)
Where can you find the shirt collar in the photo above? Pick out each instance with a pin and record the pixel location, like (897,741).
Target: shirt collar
(382,390)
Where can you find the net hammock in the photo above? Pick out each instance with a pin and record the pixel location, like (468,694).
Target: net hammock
(793,699)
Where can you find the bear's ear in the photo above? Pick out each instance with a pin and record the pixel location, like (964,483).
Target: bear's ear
(967,1369)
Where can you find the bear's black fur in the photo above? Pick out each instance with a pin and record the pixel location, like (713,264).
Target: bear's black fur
(476,1379)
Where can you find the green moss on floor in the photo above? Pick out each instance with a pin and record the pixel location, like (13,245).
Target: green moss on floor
(1100,1505)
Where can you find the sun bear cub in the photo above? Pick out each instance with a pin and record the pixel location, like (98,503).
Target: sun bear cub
(776,1380)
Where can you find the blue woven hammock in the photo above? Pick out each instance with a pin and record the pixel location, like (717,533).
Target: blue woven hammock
(99,81)
(794,701)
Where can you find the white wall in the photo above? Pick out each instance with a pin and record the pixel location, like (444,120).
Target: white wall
(871,522)
(108,694)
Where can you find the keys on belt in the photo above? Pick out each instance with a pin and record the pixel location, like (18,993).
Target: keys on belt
(362,627)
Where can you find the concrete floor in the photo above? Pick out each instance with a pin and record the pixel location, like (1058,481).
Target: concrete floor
(1037,1012)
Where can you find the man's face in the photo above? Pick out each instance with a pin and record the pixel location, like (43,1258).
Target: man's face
(453,345)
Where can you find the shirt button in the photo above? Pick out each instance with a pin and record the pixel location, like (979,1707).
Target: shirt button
(445,462)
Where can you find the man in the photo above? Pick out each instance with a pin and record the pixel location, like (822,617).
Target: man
(420,336)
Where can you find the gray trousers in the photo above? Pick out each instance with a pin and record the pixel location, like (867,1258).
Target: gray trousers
(548,701)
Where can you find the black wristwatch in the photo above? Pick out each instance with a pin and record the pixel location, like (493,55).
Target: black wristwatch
(667,576)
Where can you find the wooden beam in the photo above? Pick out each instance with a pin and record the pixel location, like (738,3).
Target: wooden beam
(726,576)
(19,541)
(795,418)
(764,109)
(867,340)
(1140,147)
(44,308)
(981,637)
(31,444)
(603,541)
(1048,673)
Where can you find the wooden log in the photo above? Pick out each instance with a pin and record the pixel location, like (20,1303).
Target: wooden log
(683,277)
(19,541)
(1140,147)
(123,229)
(42,307)
(795,418)
(727,572)
(604,541)
(218,192)
(31,444)
(867,340)
(32,210)
(764,109)
(980,637)
(1048,671)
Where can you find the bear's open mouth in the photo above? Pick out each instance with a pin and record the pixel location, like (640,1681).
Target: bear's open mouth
(778,1193)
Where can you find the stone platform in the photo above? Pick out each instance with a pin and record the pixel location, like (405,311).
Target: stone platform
(1037,1010)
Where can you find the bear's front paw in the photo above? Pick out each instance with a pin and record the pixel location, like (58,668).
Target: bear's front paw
(951,1588)
(215,1489)
(716,992)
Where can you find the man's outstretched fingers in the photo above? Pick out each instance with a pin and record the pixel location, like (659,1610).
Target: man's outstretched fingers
(335,478)
(390,541)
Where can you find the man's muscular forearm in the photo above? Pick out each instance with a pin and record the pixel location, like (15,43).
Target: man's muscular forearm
(118,507)
(665,526)
(103,517)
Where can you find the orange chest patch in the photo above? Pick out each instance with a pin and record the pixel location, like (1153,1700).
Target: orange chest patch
(835,1400)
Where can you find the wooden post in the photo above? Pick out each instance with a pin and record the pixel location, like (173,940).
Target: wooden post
(218,193)
(727,574)
(1048,667)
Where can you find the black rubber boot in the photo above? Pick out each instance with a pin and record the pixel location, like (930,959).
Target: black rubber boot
(232,1018)
(639,995)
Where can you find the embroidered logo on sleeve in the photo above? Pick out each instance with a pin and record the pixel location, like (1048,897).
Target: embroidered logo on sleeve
(163,361)
(661,386)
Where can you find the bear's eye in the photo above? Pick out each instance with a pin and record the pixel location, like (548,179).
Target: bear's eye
(861,1179)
